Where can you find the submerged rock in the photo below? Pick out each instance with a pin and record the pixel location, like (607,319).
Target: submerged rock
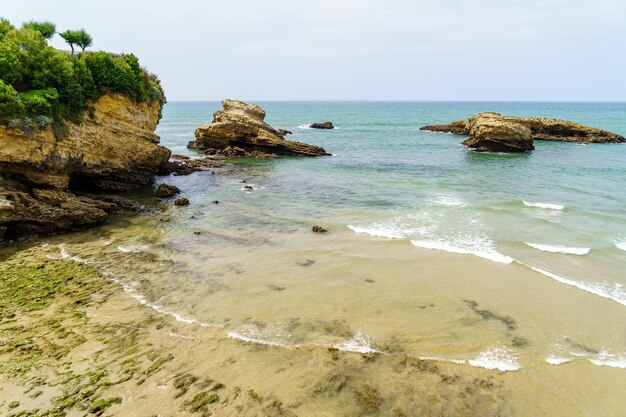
(490,131)
(325,125)
(239,131)
(182,201)
(43,173)
(166,190)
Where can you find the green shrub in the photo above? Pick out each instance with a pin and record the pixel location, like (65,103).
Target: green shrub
(39,80)
(11,107)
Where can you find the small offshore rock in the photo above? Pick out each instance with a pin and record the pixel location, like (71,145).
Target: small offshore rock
(248,188)
(325,125)
(197,233)
(182,201)
(318,229)
(166,190)
(215,201)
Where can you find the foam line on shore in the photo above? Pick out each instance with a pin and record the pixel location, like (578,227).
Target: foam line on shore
(547,206)
(499,358)
(614,292)
(559,249)
(491,255)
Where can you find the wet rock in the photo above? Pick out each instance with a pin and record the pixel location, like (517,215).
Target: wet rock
(325,125)
(166,190)
(179,165)
(197,233)
(248,188)
(490,133)
(306,263)
(215,201)
(318,229)
(182,201)
(239,131)
(541,128)
(283,132)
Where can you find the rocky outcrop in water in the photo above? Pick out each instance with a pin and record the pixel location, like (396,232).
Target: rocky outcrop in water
(44,177)
(496,132)
(489,133)
(325,125)
(239,131)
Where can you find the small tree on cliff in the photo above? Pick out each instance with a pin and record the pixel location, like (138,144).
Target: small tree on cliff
(84,40)
(72,37)
(47,29)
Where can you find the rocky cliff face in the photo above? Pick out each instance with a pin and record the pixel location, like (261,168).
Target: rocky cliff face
(239,130)
(514,129)
(113,149)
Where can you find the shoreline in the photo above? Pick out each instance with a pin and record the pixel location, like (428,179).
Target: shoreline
(150,354)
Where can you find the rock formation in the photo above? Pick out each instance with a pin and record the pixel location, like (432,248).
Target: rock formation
(493,129)
(489,133)
(239,130)
(43,176)
(325,125)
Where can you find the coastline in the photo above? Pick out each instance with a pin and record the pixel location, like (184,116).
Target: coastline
(133,352)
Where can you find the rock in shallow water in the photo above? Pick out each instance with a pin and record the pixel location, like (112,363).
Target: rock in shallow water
(239,131)
(182,201)
(166,190)
(489,133)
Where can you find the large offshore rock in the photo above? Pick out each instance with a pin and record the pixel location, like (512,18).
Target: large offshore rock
(113,149)
(491,133)
(541,128)
(240,127)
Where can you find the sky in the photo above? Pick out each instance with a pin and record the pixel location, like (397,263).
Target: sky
(530,50)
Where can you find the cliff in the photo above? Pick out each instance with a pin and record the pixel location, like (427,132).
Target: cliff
(240,130)
(113,149)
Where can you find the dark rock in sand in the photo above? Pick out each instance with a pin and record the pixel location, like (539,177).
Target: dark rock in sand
(166,190)
(239,131)
(182,201)
(325,125)
(248,188)
(306,263)
(318,229)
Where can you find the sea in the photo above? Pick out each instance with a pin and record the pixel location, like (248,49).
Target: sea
(514,264)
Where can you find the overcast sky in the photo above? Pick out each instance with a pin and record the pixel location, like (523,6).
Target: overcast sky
(359,49)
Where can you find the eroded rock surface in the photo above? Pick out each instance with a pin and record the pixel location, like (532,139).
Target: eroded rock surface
(239,131)
(113,149)
(487,129)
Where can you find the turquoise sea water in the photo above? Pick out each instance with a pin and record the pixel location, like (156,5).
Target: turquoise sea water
(560,208)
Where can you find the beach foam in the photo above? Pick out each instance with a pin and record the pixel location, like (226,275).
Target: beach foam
(496,358)
(379,230)
(621,245)
(556,360)
(255,336)
(66,255)
(607,290)
(132,249)
(305,126)
(487,253)
(359,343)
(559,249)
(547,206)
(449,200)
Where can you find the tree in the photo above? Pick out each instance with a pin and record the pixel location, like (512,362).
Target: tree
(72,37)
(5,27)
(47,29)
(84,40)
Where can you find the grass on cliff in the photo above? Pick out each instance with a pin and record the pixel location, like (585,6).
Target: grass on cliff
(40,85)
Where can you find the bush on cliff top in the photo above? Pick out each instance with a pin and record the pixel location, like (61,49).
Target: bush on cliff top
(40,84)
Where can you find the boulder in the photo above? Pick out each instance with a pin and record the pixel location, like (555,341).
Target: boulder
(182,201)
(490,133)
(45,174)
(239,131)
(166,191)
(541,128)
(325,125)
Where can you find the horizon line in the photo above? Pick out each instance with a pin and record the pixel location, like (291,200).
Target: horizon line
(401,101)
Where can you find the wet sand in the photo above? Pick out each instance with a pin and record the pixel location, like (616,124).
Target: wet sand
(264,332)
